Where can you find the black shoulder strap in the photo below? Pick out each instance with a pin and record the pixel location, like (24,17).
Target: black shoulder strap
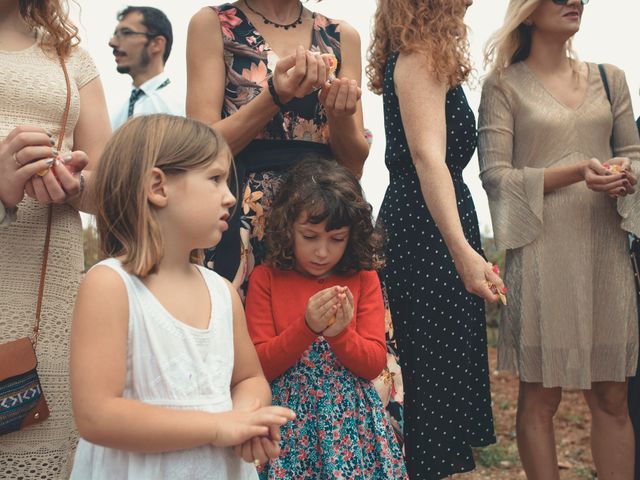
(603,76)
(605,82)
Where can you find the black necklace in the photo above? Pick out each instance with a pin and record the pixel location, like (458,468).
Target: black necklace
(293,24)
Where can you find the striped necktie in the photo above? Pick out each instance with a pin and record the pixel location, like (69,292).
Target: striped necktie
(136,93)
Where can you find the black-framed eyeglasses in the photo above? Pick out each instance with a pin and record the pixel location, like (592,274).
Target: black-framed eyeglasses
(564,2)
(127,32)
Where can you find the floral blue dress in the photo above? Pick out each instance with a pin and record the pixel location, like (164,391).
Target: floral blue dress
(340,432)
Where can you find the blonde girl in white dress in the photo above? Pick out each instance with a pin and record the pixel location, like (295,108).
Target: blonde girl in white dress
(164,376)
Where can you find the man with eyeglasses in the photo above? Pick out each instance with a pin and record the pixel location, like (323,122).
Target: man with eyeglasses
(141,45)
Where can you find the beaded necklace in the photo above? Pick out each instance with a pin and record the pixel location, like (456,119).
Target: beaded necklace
(293,24)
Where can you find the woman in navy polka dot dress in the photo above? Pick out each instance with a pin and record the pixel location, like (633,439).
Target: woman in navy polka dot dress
(436,276)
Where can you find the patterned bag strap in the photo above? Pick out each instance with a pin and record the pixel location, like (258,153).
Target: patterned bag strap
(47,238)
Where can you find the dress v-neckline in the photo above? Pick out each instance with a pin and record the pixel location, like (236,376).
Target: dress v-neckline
(556,99)
(267,45)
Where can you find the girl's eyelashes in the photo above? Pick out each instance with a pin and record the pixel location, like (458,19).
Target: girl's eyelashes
(312,237)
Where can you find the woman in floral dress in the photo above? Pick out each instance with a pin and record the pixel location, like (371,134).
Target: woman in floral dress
(229,64)
(228,76)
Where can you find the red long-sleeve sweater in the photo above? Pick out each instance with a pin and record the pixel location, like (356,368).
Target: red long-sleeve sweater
(275,308)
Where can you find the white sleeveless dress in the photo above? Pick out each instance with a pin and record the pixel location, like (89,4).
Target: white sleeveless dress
(173,365)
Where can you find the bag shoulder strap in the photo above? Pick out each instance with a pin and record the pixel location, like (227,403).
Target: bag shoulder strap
(47,238)
(605,83)
(603,76)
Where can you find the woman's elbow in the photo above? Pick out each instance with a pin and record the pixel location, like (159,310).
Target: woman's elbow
(492,178)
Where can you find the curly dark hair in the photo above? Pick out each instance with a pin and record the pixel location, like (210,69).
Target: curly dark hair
(323,190)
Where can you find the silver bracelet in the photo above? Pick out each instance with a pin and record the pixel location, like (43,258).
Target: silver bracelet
(81,179)
(7,215)
(81,183)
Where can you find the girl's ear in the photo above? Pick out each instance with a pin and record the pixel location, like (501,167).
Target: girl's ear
(157,188)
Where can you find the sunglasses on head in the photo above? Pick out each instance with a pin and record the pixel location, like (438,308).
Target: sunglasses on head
(564,2)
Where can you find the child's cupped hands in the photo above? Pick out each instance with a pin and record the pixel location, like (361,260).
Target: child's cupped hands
(322,308)
(344,314)
(236,427)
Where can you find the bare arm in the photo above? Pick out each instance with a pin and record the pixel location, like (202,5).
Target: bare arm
(206,84)
(90,136)
(248,382)
(558,177)
(293,76)
(422,98)
(346,132)
(98,370)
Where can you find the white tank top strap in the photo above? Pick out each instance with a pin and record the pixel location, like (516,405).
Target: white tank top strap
(220,296)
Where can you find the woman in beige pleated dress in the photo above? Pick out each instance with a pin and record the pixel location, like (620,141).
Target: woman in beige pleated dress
(545,128)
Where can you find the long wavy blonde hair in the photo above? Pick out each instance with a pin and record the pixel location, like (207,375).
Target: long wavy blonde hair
(511,43)
(434,28)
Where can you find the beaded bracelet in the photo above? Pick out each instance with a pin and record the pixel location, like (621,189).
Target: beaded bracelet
(274,95)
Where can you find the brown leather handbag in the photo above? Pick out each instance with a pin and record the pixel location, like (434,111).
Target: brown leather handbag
(22,401)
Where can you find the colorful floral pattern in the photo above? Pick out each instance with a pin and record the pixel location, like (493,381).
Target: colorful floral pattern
(389,382)
(340,430)
(250,62)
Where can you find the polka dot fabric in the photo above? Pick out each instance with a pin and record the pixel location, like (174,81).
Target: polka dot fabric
(440,328)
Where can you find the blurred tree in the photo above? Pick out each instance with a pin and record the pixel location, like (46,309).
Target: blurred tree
(92,253)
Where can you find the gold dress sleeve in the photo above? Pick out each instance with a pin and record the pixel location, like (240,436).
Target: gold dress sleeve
(626,144)
(515,192)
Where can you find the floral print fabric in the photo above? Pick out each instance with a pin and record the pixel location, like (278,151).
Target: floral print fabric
(250,62)
(340,430)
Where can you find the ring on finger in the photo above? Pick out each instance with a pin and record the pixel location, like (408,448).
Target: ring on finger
(256,462)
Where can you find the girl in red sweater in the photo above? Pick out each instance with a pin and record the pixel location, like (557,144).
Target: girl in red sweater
(316,316)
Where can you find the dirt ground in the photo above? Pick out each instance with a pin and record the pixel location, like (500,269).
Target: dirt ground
(500,461)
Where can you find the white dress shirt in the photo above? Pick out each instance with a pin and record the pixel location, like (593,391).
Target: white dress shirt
(154,100)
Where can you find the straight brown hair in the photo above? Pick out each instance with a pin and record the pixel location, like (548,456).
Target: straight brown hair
(127,222)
